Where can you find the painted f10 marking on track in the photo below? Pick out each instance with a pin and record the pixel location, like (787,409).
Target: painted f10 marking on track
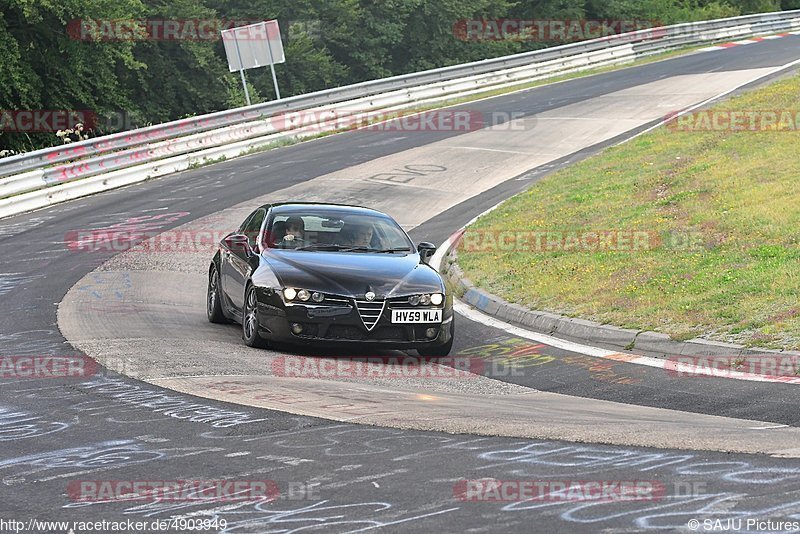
(407,173)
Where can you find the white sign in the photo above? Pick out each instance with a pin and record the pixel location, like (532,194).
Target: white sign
(256,45)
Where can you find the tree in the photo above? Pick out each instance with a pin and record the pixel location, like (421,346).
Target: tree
(44,68)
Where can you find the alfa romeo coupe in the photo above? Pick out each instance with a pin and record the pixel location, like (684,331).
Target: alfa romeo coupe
(323,274)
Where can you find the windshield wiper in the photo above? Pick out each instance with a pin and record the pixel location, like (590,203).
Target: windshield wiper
(357,249)
(345,248)
(321,246)
(376,250)
(398,249)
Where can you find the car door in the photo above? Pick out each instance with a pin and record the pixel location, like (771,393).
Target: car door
(242,260)
(227,277)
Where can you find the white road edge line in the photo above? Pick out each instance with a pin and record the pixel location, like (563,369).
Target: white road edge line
(679,365)
(708,100)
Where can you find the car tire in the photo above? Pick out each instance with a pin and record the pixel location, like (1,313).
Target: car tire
(250,333)
(439,351)
(213,298)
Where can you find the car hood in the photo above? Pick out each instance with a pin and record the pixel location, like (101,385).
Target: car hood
(354,273)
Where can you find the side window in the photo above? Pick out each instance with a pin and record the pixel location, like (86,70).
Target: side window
(275,232)
(252,226)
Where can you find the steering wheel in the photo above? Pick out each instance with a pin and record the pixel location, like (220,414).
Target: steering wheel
(294,242)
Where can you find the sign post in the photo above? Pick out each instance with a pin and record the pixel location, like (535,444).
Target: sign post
(272,68)
(241,69)
(255,45)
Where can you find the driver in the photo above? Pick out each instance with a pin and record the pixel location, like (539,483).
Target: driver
(295,229)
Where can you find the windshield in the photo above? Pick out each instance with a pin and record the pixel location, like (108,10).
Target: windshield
(335,231)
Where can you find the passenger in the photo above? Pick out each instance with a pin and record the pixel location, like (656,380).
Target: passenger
(358,235)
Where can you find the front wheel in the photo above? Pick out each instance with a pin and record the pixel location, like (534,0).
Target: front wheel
(250,321)
(213,301)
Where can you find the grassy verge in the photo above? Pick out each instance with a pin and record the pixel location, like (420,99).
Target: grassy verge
(708,223)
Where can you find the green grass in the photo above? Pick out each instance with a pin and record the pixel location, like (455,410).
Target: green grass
(722,210)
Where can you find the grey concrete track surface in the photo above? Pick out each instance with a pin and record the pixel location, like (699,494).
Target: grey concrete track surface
(166,290)
(110,427)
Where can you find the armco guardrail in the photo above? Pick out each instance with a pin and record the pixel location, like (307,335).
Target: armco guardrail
(37,179)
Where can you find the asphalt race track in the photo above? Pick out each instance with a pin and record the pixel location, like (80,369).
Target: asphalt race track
(142,314)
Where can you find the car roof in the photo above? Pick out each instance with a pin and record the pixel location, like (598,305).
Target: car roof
(286,207)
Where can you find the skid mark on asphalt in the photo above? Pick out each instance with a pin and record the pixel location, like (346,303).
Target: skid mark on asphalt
(510,358)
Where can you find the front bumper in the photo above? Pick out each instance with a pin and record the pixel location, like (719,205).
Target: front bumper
(343,325)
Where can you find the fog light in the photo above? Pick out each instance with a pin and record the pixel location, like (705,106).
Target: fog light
(437,299)
(317,297)
(430,333)
(303,295)
(297,328)
(289,293)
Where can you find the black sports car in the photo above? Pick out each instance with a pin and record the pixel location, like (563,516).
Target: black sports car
(326,273)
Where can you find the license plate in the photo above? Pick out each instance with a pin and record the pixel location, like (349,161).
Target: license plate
(416,316)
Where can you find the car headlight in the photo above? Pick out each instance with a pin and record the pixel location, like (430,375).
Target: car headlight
(413,300)
(317,296)
(289,293)
(304,295)
(437,299)
(424,299)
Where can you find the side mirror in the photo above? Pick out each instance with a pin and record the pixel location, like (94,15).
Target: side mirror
(237,243)
(426,251)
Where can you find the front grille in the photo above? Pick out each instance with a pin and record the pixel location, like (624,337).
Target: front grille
(333,301)
(352,333)
(329,301)
(394,333)
(370,312)
(337,331)
(402,303)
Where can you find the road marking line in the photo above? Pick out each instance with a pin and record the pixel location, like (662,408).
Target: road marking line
(491,150)
(712,99)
